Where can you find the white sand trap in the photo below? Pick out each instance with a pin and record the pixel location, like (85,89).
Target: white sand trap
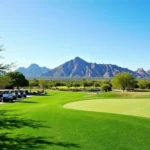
(135,107)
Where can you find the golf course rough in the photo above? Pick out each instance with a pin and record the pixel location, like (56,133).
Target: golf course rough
(135,107)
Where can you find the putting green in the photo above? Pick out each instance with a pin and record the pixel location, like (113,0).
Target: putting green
(135,107)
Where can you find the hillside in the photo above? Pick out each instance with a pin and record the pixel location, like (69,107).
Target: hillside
(80,68)
(33,70)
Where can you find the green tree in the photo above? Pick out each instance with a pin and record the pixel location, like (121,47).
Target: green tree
(50,84)
(32,83)
(143,84)
(105,82)
(96,85)
(43,84)
(124,81)
(17,79)
(36,82)
(91,83)
(148,85)
(132,84)
(69,85)
(76,84)
(84,83)
(4,82)
(106,88)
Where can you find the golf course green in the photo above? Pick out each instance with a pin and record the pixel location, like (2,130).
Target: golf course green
(43,122)
(135,107)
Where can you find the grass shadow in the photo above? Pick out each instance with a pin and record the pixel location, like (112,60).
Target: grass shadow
(22,142)
(10,141)
(28,102)
(43,95)
(17,122)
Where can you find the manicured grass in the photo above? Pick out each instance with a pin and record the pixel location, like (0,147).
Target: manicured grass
(42,123)
(136,107)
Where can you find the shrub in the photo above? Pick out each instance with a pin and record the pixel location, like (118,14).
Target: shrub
(106,88)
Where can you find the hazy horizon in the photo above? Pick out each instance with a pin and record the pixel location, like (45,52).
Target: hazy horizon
(50,32)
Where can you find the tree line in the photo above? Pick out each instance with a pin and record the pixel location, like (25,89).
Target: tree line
(123,81)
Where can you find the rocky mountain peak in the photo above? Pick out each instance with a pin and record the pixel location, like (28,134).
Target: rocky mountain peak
(78,67)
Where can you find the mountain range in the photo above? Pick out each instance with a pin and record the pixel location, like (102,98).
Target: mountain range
(78,67)
(33,70)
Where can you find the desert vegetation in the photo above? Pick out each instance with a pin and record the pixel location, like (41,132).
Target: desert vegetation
(122,81)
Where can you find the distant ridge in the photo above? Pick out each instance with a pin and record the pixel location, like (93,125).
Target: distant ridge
(78,67)
(33,70)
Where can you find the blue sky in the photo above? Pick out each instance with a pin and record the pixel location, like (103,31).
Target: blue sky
(50,32)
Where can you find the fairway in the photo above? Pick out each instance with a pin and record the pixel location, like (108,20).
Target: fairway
(42,123)
(135,107)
